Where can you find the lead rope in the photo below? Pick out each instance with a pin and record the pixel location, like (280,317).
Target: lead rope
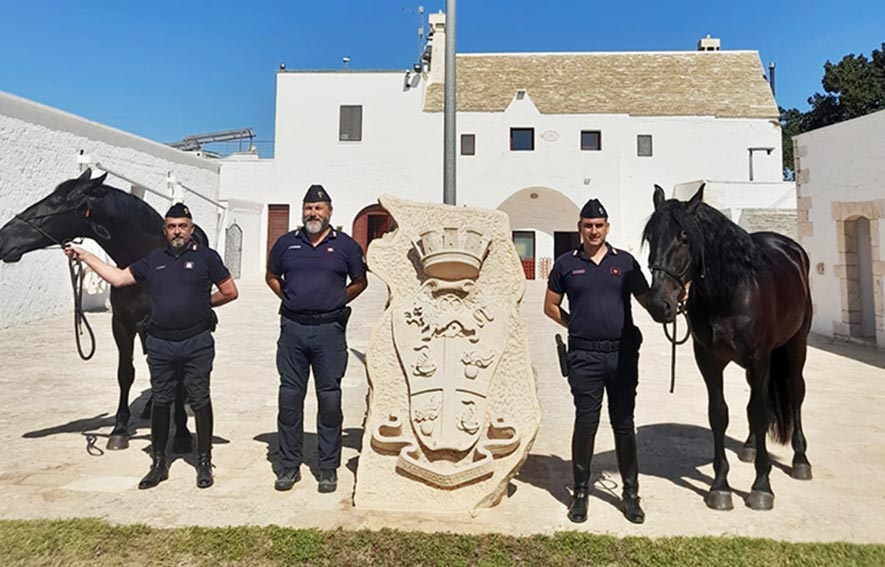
(674,342)
(75,270)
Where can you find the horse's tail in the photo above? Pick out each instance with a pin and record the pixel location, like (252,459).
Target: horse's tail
(780,407)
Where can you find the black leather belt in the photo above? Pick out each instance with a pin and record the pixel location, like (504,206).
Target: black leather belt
(178,334)
(605,345)
(307,318)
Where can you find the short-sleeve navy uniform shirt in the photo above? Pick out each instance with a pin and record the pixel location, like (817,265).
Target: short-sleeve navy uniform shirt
(598,295)
(180,286)
(314,278)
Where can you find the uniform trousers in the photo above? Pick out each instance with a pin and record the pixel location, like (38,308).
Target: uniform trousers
(300,349)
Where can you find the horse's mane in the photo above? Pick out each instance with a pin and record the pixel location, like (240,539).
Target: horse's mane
(121,205)
(723,254)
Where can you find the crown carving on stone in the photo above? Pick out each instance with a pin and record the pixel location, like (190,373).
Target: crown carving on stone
(452,253)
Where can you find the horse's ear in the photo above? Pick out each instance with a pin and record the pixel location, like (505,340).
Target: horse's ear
(100,179)
(696,199)
(96,188)
(87,173)
(658,198)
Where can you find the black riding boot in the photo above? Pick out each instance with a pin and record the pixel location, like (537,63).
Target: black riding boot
(204,421)
(625,447)
(159,470)
(582,454)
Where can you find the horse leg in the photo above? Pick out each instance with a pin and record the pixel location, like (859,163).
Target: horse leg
(182,442)
(719,497)
(797,349)
(761,496)
(747,454)
(124,337)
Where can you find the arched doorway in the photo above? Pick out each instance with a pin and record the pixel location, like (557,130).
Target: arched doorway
(233,250)
(544,225)
(370,223)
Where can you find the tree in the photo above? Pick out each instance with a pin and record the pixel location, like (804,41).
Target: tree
(855,86)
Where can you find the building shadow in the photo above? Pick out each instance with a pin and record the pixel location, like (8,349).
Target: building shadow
(673,451)
(351,437)
(866,354)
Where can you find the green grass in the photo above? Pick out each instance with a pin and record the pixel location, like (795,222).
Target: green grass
(91,542)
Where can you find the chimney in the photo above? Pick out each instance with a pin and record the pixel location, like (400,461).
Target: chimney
(771,77)
(708,43)
(437,46)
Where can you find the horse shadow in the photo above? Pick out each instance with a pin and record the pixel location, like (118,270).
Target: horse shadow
(672,451)
(351,437)
(89,425)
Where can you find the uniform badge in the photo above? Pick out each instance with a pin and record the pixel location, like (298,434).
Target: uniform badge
(578,272)
(615,271)
(330,249)
(188,265)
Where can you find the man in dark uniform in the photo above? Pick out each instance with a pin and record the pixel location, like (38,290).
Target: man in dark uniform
(308,270)
(179,341)
(603,350)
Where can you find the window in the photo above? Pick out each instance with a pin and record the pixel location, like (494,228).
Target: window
(522,139)
(468,144)
(591,140)
(350,123)
(643,145)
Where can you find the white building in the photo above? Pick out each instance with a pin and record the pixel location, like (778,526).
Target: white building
(539,135)
(840,184)
(41,147)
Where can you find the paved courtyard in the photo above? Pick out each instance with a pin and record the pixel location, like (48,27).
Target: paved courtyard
(50,401)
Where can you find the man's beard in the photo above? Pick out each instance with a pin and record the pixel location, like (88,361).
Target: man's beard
(316,226)
(178,242)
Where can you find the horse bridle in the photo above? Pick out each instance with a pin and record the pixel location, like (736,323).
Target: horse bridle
(75,271)
(680,310)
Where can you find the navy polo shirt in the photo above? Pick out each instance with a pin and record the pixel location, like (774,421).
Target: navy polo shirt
(180,286)
(314,278)
(598,295)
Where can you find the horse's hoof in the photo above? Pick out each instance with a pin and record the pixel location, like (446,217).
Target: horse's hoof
(182,444)
(747,454)
(758,500)
(801,471)
(719,500)
(118,442)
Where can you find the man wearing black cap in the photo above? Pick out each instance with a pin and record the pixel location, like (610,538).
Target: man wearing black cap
(179,341)
(603,350)
(308,270)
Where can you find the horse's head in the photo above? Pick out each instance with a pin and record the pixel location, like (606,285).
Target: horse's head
(58,217)
(674,242)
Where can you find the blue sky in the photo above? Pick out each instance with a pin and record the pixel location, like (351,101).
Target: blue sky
(163,69)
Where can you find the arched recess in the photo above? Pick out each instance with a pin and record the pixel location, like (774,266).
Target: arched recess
(370,223)
(543,222)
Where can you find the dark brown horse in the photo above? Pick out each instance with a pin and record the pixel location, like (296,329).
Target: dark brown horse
(127,229)
(748,302)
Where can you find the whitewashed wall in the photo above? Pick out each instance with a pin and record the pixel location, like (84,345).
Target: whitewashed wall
(38,150)
(839,164)
(401,153)
(735,196)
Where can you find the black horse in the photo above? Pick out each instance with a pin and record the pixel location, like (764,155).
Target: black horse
(748,301)
(127,228)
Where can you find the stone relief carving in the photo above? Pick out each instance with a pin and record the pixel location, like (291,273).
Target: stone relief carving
(446,421)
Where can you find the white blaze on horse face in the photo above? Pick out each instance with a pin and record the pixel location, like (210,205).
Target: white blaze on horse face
(178,231)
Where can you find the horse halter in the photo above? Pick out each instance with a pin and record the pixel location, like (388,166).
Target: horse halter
(678,278)
(98,229)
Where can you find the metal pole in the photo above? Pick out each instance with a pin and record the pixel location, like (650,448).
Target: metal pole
(450,108)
